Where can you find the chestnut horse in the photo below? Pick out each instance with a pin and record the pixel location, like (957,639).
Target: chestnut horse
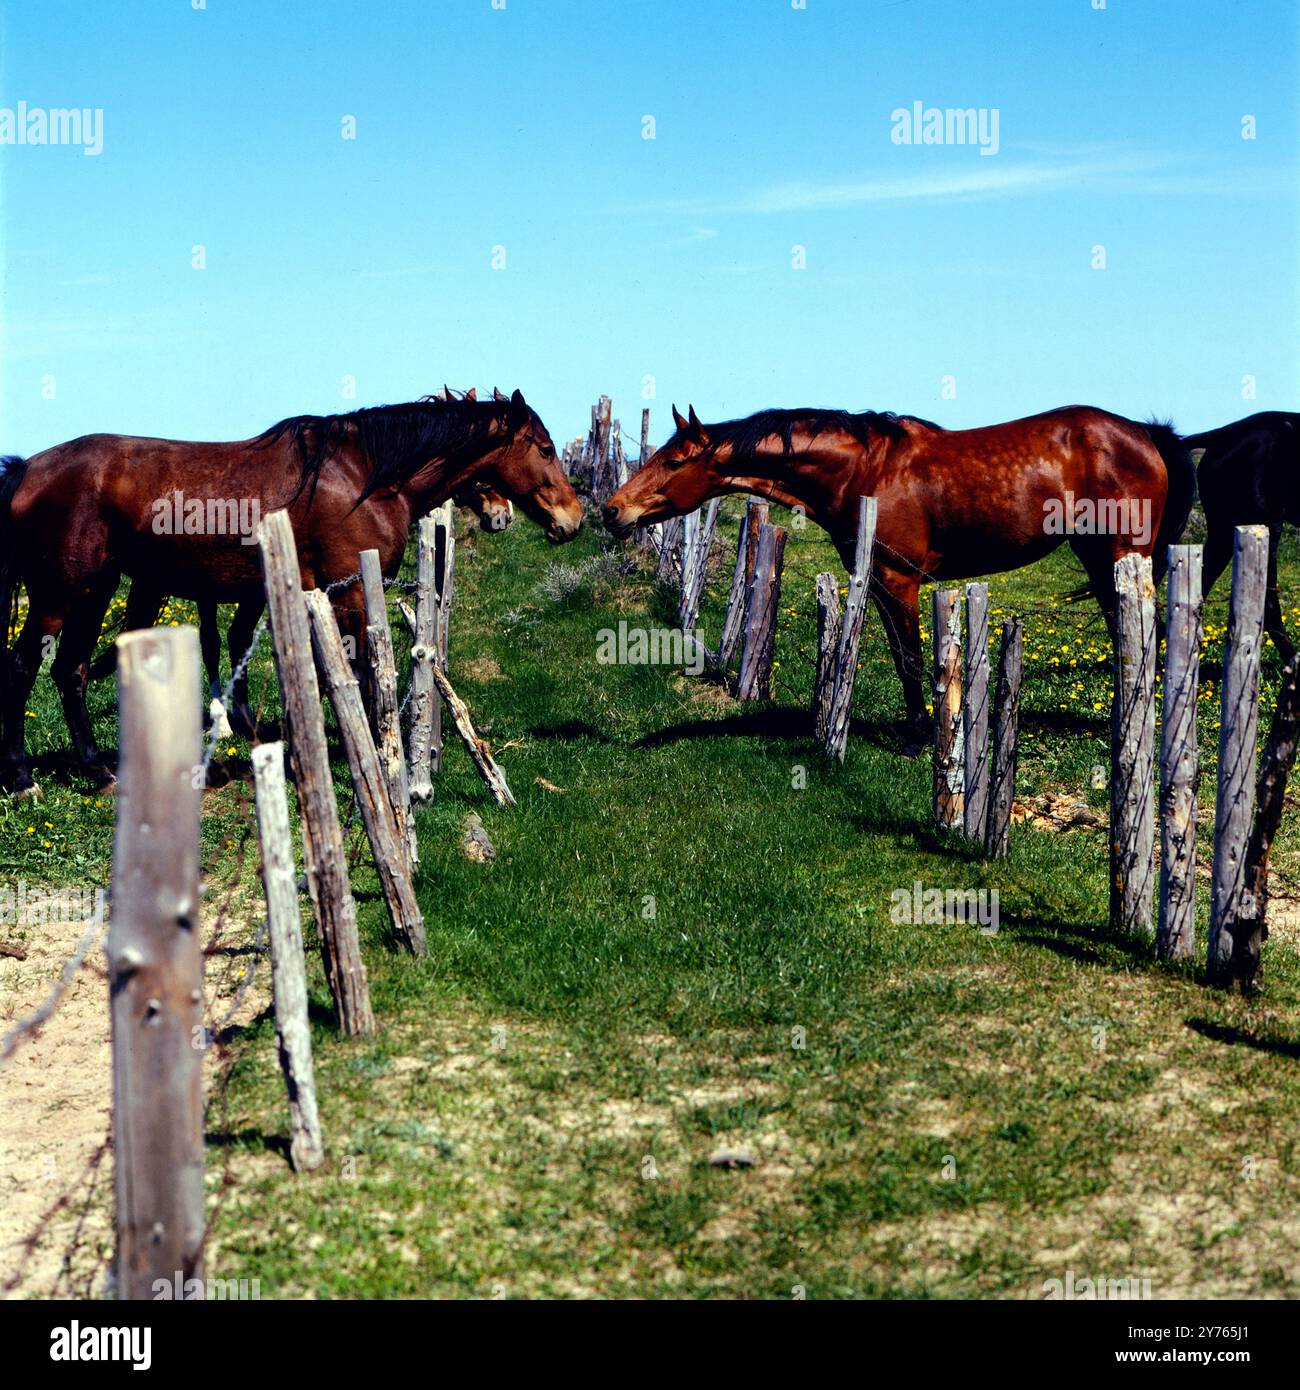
(952,503)
(75,518)
(144,604)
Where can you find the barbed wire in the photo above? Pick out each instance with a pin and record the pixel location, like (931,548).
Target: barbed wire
(32,1024)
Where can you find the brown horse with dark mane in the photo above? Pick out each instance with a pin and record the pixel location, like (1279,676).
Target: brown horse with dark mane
(952,503)
(75,518)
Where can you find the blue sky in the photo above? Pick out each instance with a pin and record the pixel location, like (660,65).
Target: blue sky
(628,258)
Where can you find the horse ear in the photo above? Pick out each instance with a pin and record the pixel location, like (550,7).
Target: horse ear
(677,419)
(472,394)
(498,394)
(518,410)
(696,429)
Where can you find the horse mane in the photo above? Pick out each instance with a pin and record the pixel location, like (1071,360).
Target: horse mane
(394,441)
(746,435)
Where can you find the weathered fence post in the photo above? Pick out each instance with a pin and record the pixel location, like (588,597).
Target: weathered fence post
(444,574)
(156,964)
(424,648)
(1250,929)
(975,713)
(1133,739)
(644,533)
(755,679)
(386,723)
(733,619)
(322,839)
(828,641)
(288,968)
(601,490)
(388,852)
(670,544)
(948,757)
(480,754)
(695,564)
(1179,757)
(1238,727)
(850,638)
(1006,737)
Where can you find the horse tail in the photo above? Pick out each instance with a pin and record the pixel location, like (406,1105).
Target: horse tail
(12,472)
(1177,455)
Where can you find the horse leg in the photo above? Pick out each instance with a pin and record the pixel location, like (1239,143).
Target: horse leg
(239,637)
(23,665)
(896,598)
(71,670)
(210,646)
(1272,600)
(143,605)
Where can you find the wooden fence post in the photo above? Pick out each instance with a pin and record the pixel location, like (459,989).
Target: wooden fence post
(444,574)
(733,619)
(1179,757)
(755,679)
(1006,738)
(424,648)
(975,713)
(480,754)
(388,852)
(695,563)
(644,533)
(156,964)
(387,725)
(1133,738)
(850,639)
(601,490)
(828,641)
(322,839)
(1250,929)
(288,968)
(949,761)
(1238,728)
(670,542)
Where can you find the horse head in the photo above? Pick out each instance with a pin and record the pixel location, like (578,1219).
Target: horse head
(524,467)
(675,480)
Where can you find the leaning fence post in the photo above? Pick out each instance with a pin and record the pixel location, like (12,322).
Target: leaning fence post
(828,641)
(948,756)
(1133,739)
(383,685)
(288,968)
(322,839)
(1179,757)
(733,619)
(156,964)
(975,713)
(695,564)
(1249,931)
(850,638)
(388,852)
(1006,737)
(1238,727)
(755,679)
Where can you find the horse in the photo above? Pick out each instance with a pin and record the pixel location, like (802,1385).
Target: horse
(952,503)
(76,517)
(144,605)
(1249,474)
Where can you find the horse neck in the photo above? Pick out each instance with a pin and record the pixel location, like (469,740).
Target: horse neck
(824,480)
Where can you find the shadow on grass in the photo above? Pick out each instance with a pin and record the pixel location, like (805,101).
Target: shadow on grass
(775,722)
(1237,1037)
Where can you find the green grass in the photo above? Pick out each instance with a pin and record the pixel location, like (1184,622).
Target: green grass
(680,951)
